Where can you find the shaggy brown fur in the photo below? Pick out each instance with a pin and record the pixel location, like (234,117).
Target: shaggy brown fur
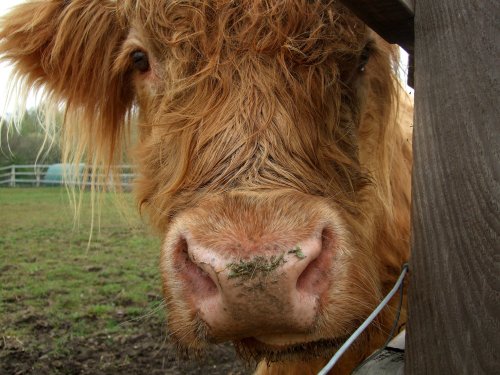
(244,102)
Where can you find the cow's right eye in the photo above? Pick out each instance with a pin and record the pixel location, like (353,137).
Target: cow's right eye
(140,61)
(365,57)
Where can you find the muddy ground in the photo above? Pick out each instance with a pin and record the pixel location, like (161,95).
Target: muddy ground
(147,352)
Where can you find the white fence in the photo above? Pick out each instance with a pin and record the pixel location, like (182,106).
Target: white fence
(57,174)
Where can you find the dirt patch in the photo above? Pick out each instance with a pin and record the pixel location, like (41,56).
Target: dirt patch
(147,352)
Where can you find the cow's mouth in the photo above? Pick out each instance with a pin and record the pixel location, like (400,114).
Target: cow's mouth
(253,349)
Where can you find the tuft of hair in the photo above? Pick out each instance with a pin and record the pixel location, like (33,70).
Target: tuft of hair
(66,51)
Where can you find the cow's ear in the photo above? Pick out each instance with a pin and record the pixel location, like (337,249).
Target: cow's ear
(67,48)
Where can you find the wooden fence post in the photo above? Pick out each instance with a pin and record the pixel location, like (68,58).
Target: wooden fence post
(13,176)
(454,297)
(37,176)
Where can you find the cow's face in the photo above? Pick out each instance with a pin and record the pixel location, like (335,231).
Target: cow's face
(250,164)
(262,156)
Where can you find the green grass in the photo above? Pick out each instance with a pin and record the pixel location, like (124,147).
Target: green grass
(50,275)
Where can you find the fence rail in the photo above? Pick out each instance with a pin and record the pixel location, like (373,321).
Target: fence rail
(60,174)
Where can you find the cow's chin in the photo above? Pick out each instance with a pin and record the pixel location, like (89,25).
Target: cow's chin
(271,348)
(252,350)
(279,350)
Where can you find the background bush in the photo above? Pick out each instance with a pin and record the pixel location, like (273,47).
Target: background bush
(27,144)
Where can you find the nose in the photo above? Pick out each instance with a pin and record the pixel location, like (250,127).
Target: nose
(255,289)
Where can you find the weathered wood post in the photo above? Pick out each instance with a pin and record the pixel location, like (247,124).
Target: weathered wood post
(454,298)
(13,176)
(37,176)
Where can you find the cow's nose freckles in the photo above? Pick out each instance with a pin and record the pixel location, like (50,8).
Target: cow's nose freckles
(274,288)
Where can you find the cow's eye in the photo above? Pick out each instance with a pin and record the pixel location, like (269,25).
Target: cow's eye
(365,57)
(140,61)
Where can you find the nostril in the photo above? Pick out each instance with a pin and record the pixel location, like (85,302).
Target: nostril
(314,278)
(195,278)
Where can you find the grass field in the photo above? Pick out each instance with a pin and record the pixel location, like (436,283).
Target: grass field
(67,306)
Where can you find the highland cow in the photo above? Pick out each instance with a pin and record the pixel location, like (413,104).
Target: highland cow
(272,158)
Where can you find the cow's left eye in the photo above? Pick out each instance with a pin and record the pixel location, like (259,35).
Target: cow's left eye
(365,57)
(140,61)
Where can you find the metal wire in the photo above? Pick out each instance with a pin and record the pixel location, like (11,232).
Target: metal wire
(366,323)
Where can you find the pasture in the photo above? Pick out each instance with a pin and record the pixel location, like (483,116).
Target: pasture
(66,307)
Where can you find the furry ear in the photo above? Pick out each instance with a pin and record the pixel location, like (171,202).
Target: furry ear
(68,48)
